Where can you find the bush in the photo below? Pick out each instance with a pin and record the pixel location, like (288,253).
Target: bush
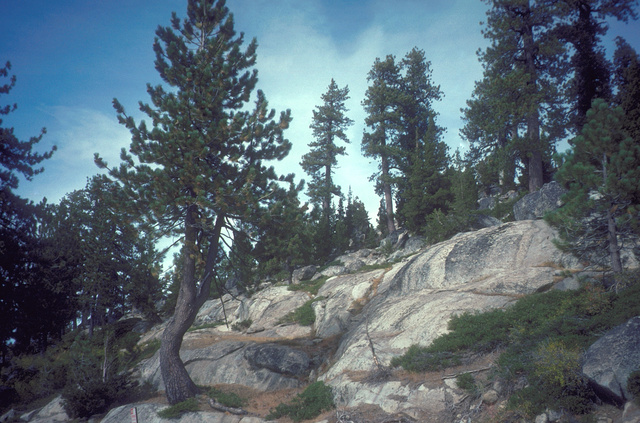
(466,382)
(178,409)
(315,399)
(228,399)
(310,286)
(94,395)
(303,315)
(242,325)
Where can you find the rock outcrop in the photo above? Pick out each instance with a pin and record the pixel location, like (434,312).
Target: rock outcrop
(370,317)
(611,359)
(534,205)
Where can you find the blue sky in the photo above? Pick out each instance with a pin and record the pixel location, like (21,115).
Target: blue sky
(72,57)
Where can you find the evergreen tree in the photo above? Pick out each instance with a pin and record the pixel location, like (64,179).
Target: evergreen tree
(583,25)
(602,174)
(98,251)
(428,184)
(200,170)
(329,125)
(627,80)
(382,100)
(523,65)
(21,294)
(421,155)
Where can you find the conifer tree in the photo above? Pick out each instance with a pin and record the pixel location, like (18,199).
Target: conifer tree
(523,63)
(382,100)
(602,174)
(21,292)
(583,24)
(627,80)
(201,169)
(329,125)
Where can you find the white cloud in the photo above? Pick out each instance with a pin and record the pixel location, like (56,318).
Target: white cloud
(78,133)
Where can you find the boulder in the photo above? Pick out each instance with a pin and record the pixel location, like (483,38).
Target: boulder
(414,301)
(225,362)
(482,221)
(303,273)
(8,416)
(50,413)
(611,359)
(148,413)
(266,308)
(534,205)
(278,358)
(217,310)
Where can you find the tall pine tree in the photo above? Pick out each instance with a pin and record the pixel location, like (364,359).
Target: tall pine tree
(329,125)
(523,64)
(200,170)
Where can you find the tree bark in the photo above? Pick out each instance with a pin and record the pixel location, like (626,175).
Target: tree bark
(178,384)
(533,115)
(386,187)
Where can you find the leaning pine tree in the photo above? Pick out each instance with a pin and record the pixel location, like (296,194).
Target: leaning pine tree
(199,170)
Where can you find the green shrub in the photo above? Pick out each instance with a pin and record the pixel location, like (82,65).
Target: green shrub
(228,399)
(315,399)
(303,315)
(540,338)
(94,395)
(242,325)
(467,382)
(178,409)
(310,286)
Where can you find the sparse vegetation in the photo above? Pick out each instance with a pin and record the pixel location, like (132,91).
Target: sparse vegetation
(179,409)
(315,399)
(541,337)
(303,315)
(242,325)
(310,286)
(228,399)
(467,382)
(633,385)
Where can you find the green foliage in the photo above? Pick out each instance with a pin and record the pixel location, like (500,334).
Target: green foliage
(467,382)
(312,286)
(603,199)
(242,325)
(303,315)
(228,399)
(540,336)
(177,410)
(329,125)
(315,399)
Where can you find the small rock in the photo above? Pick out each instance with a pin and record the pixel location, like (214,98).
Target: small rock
(631,413)
(542,418)
(490,397)
(9,415)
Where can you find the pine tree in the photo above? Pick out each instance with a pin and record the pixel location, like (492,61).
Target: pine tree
(21,293)
(428,184)
(627,80)
(602,174)
(329,125)
(583,25)
(382,100)
(523,60)
(200,170)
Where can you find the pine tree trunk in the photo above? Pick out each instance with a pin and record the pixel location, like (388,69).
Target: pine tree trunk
(191,297)
(533,117)
(391,226)
(614,251)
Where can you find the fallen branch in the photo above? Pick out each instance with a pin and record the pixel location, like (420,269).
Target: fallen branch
(461,373)
(219,407)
